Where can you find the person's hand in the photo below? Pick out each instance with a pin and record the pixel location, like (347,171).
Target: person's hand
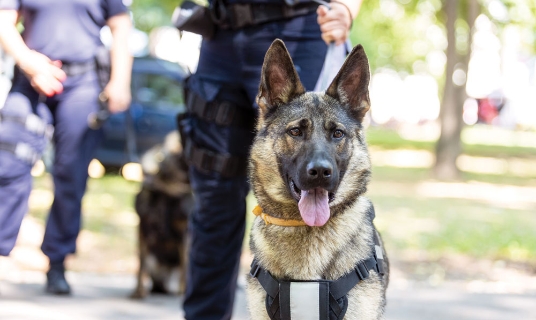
(335,23)
(118,95)
(45,75)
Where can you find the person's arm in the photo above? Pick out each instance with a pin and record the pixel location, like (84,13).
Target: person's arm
(45,75)
(335,23)
(118,89)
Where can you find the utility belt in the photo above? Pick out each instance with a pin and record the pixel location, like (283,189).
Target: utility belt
(31,122)
(222,113)
(239,15)
(314,300)
(22,151)
(73,69)
(204,21)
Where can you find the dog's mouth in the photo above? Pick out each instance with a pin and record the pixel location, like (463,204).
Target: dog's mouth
(297,192)
(313,204)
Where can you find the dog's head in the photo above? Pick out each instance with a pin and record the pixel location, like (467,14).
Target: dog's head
(309,156)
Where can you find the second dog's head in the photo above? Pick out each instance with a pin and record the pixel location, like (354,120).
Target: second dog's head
(309,157)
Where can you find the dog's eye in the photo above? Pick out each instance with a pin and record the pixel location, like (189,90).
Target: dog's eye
(337,134)
(295,132)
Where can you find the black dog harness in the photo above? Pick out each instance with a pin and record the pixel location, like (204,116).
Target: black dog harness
(314,300)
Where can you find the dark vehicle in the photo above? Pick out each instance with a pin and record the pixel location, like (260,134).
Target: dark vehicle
(157,98)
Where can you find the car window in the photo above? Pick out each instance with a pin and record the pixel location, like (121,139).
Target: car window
(157,91)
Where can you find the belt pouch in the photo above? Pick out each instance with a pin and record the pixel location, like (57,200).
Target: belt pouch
(191,17)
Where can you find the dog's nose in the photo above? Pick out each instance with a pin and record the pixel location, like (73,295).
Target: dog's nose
(320,169)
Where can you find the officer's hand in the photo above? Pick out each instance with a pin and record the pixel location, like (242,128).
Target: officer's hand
(118,95)
(335,23)
(44,74)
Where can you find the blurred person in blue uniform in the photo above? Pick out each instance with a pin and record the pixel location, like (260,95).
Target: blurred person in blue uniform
(219,127)
(55,88)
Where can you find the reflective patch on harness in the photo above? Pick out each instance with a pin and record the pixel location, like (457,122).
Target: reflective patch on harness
(379,253)
(304,300)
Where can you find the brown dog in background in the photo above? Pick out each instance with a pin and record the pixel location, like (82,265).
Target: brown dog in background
(163,206)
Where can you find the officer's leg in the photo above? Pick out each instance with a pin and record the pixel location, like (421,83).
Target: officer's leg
(14,194)
(217,231)
(217,223)
(15,177)
(75,144)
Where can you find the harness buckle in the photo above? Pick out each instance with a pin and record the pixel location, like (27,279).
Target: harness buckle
(362,271)
(255,272)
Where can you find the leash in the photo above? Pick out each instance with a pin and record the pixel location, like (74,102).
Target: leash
(332,57)
(324,81)
(324,76)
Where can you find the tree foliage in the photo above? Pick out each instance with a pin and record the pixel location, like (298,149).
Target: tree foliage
(405,34)
(150,14)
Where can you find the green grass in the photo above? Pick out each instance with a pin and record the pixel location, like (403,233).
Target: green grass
(441,225)
(410,175)
(108,240)
(390,139)
(456,226)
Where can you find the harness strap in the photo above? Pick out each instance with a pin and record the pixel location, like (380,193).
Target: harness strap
(269,284)
(344,284)
(31,122)
(334,305)
(338,289)
(223,113)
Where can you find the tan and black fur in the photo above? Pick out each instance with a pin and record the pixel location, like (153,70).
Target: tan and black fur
(297,128)
(163,205)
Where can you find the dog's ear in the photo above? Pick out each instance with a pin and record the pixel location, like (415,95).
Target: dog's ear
(350,86)
(280,82)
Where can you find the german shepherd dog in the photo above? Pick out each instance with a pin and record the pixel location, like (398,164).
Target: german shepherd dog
(163,205)
(317,254)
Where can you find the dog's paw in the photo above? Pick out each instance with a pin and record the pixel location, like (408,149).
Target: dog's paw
(138,294)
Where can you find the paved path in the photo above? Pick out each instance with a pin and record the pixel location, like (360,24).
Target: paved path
(105,297)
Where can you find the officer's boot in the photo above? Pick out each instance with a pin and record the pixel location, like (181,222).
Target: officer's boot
(56,283)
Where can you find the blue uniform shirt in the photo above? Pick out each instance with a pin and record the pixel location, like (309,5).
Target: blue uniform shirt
(67,30)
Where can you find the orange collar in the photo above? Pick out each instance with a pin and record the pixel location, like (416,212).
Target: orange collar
(277,221)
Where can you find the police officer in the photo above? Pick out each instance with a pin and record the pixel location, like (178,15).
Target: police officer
(219,128)
(56,83)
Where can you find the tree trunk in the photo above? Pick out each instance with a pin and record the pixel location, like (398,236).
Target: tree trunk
(448,147)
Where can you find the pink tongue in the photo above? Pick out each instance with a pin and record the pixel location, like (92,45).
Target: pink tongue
(314,207)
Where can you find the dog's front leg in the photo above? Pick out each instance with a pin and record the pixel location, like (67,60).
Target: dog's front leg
(140,292)
(256,297)
(367,300)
